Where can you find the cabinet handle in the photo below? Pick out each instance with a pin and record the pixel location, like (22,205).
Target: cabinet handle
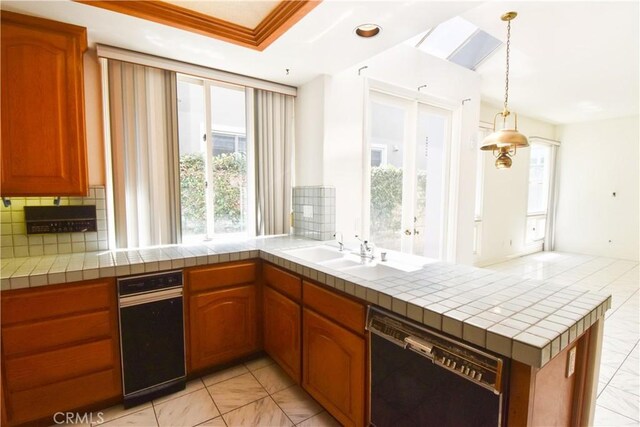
(407,232)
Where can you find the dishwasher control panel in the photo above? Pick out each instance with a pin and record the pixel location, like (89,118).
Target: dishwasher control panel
(470,363)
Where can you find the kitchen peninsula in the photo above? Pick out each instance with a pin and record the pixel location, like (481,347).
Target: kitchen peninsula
(550,333)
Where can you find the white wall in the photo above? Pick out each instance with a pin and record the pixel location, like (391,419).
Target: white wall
(309,132)
(343,139)
(505,193)
(597,159)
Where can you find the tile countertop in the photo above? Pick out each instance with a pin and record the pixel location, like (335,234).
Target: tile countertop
(528,320)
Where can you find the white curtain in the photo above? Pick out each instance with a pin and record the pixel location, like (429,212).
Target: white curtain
(274,116)
(143,129)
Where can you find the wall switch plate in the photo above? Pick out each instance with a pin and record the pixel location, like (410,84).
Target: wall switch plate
(571,362)
(307,211)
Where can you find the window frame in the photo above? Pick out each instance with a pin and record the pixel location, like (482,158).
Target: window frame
(210,218)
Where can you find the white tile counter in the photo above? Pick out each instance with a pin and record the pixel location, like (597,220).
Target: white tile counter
(528,320)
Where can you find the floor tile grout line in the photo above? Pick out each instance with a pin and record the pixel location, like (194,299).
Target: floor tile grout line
(155,414)
(271,395)
(241,406)
(616,412)
(214,403)
(623,303)
(618,277)
(616,371)
(285,412)
(120,416)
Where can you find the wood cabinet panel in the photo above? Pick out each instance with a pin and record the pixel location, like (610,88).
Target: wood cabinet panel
(60,349)
(284,282)
(334,368)
(546,396)
(41,402)
(48,334)
(220,276)
(30,305)
(282,331)
(43,129)
(337,308)
(53,366)
(223,325)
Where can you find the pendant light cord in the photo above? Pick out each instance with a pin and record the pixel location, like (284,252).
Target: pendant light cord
(506,88)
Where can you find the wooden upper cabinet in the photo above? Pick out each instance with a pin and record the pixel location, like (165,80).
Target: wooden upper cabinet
(43,130)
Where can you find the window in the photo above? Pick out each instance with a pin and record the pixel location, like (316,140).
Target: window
(459,41)
(214,178)
(378,155)
(539,175)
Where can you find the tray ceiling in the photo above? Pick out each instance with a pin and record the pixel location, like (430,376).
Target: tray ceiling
(250,24)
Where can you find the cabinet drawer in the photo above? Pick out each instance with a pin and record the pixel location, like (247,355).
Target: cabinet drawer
(200,279)
(53,366)
(67,395)
(42,336)
(336,307)
(63,300)
(284,282)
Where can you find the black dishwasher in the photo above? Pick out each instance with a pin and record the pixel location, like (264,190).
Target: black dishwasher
(422,378)
(151,336)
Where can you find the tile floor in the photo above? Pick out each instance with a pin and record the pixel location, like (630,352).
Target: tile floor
(256,393)
(619,389)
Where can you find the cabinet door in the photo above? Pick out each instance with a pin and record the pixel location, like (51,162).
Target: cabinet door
(334,368)
(282,331)
(223,325)
(43,134)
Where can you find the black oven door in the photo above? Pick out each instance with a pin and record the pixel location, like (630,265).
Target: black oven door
(152,340)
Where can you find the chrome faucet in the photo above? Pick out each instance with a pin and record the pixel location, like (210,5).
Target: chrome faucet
(340,240)
(366,248)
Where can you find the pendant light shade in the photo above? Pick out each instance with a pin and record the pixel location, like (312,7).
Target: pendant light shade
(505,141)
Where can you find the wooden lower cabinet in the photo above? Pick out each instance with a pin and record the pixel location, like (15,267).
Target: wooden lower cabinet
(333,368)
(223,325)
(281,331)
(60,349)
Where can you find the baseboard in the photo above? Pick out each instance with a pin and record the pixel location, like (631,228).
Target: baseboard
(531,249)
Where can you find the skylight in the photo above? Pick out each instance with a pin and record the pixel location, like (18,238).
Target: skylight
(458,41)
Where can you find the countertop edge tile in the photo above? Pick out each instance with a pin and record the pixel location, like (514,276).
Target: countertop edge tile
(442,296)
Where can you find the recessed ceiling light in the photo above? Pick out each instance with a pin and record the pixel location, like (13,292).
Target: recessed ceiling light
(368,30)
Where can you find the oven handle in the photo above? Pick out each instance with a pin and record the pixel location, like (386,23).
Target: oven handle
(149,297)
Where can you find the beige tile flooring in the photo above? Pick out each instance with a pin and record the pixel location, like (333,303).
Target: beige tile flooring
(256,393)
(619,389)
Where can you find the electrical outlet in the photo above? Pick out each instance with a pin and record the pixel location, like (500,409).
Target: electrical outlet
(571,362)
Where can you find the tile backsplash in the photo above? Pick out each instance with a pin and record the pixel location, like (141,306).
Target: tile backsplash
(314,212)
(16,243)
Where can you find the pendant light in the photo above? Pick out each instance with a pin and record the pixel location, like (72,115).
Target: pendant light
(505,141)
